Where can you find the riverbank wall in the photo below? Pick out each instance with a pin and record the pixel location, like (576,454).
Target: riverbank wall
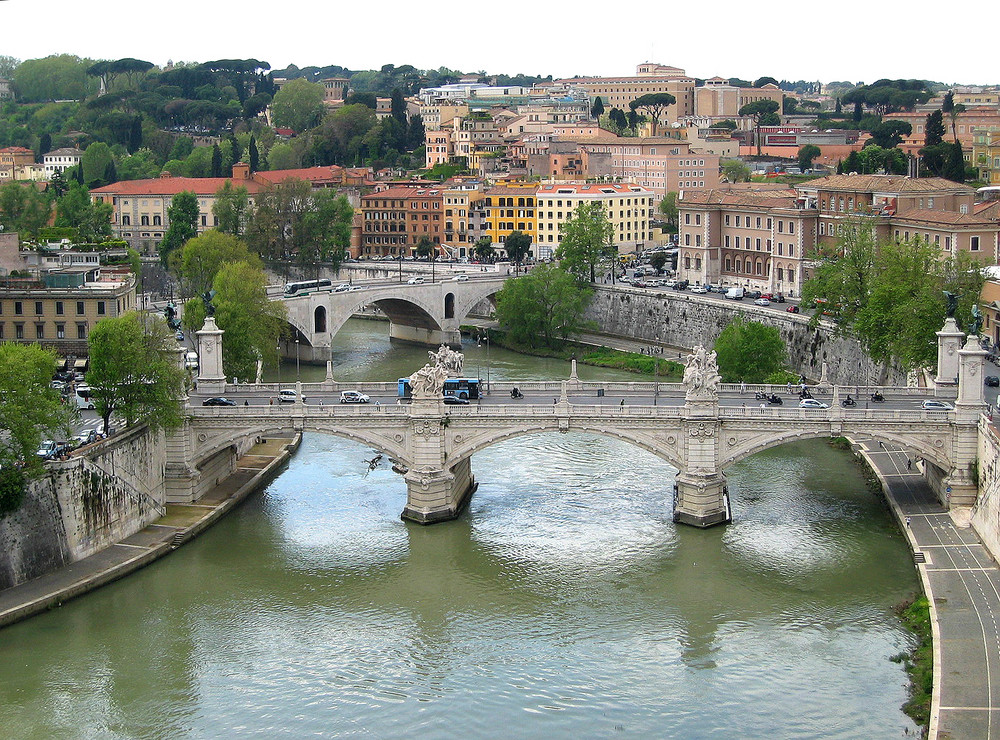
(985,517)
(83,504)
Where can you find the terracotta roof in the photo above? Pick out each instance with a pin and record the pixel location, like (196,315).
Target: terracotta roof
(883,183)
(170,186)
(930,217)
(989,210)
(745,197)
(591,188)
(404,192)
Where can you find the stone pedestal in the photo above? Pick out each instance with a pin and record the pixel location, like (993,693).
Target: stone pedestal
(211,377)
(971,401)
(950,340)
(701,500)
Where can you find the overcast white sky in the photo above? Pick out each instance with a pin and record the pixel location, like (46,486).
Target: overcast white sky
(728,38)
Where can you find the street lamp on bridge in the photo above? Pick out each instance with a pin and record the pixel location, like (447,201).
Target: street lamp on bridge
(480,338)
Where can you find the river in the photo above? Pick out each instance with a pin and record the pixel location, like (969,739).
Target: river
(564,603)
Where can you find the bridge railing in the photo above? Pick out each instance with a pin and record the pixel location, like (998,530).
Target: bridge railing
(777,412)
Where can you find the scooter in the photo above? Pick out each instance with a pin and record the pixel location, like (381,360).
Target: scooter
(878,397)
(775,398)
(515,393)
(848,402)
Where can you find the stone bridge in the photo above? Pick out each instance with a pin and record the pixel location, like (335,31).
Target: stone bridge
(428,313)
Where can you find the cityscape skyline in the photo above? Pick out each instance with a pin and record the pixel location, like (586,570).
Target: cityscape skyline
(745,47)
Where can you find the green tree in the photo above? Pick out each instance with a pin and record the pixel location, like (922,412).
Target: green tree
(483,249)
(95,160)
(807,153)
(23,208)
(655,104)
(232,208)
(517,244)
(934,129)
(543,307)
(92,219)
(587,240)
(952,109)
(954,168)
(29,409)
(298,105)
(758,110)
(424,248)
(251,320)
(889,134)
(134,371)
(668,207)
(57,77)
(735,170)
(182,217)
(658,260)
(728,123)
(750,352)
(203,256)
(597,109)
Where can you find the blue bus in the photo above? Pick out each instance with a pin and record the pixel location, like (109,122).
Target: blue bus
(464,388)
(307,286)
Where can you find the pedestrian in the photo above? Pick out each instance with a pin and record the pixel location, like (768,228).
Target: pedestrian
(622,404)
(880,445)
(909,463)
(788,387)
(907,521)
(270,401)
(378,405)
(246,403)
(763,406)
(398,402)
(321,402)
(743,387)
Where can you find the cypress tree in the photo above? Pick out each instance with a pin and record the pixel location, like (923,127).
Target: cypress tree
(254,155)
(216,161)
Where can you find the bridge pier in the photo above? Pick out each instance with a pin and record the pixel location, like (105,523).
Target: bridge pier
(425,336)
(701,500)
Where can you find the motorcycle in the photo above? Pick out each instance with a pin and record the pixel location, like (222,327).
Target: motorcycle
(775,398)
(847,402)
(878,397)
(515,393)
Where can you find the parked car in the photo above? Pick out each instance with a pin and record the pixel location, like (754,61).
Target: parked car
(755,294)
(353,397)
(287,395)
(932,405)
(700,289)
(342,288)
(812,403)
(992,381)
(415,280)
(86,437)
(354,288)
(47,449)
(460,278)
(762,302)
(792,309)
(218,401)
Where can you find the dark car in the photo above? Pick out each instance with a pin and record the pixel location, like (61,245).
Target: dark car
(754,294)
(792,309)
(218,401)
(992,381)
(456,401)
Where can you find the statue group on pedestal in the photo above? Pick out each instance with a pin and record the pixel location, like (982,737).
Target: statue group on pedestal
(428,381)
(701,376)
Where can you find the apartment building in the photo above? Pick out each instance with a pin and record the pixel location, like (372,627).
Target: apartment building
(986,154)
(764,237)
(660,165)
(718,99)
(398,218)
(461,228)
(618,92)
(60,160)
(6,93)
(334,90)
(16,156)
(628,208)
(511,207)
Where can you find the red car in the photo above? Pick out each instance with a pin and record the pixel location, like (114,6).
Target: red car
(792,309)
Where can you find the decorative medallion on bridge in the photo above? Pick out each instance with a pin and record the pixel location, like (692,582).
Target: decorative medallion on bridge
(426,427)
(671,439)
(701,432)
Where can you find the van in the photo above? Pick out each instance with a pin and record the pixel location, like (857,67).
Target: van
(735,294)
(191,360)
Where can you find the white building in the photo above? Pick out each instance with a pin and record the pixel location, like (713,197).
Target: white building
(60,160)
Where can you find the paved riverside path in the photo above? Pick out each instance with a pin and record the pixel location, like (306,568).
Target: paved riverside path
(962,583)
(180,523)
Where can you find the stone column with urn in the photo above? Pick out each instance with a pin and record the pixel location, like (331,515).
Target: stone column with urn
(701,498)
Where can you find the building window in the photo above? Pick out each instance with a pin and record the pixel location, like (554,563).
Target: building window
(18,331)
(791,227)
(81,331)
(79,308)
(126,220)
(60,331)
(101,310)
(974,244)
(18,308)
(38,308)
(59,308)
(39,331)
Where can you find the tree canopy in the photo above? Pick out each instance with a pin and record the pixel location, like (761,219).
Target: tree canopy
(655,104)
(543,307)
(760,111)
(298,105)
(750,352)
(517,245)
(586,241)
(203,256)
(183,223)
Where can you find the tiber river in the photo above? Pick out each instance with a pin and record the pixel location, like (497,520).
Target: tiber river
(563,604)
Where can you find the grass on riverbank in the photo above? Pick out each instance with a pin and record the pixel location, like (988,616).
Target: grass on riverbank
(919,662)
(587,354)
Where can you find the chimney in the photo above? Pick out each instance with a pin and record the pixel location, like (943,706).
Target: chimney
(241,171)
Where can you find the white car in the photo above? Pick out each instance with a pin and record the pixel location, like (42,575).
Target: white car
(812,403)
(699,289)
(936,406)
(353,397)
(47,449)
(762,302)
(343,288)
(460,278)
(287,395)
(354,288)
(416,280)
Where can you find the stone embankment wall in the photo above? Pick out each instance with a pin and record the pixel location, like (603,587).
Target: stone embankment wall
(986,511)
(84,504)
(683,320)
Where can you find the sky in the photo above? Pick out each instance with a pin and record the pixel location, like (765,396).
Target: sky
(728,38)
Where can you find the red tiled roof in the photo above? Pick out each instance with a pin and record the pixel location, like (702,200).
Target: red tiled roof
(404,192)
(883,184)
(930,217)
(729,196)
(170,186)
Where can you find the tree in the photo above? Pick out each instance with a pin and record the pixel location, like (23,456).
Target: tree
(203,256)
(587,240)
(253,155)
(951,109)
(668,207)
(597,109)
(182,216)
(298,105)
(889,134)
(750,352)
(934,129)
(874,159)
(727,123)
(657,260)
(251,320)
(542,307)
(517,245)
(655,104)
(807,153)
(94,161)
(758,110)
(216,161)
(618,119)
(57,77)
(735,170)
(397,106)
(232,208)
(29,409)
(92,219)
(954,168)
(23,208)
(483,249)
(134,371)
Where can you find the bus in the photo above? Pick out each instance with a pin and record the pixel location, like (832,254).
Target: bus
(464,388)
(84,399)
(307,286)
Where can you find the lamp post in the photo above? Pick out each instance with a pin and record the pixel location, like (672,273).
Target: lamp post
(400,264)
(297,375)
(278,350)
(479,340)
(656,374)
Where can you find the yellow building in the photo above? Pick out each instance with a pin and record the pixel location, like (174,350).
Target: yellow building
(628,207)
(461,229)
(511,207)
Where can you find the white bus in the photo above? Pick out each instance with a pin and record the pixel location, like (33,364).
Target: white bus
(307,286)
(84,400)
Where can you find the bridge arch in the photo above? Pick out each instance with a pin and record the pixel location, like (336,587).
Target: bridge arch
(319,320)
